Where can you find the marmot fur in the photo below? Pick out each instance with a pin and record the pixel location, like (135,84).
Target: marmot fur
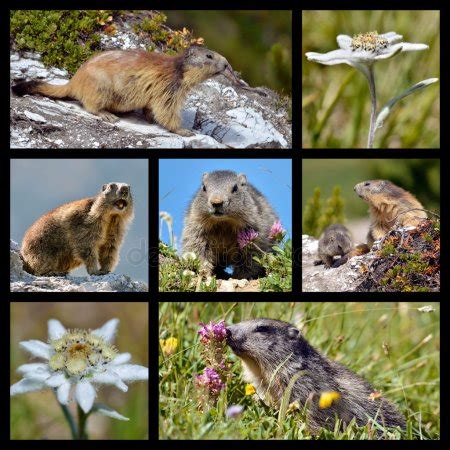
(88,231)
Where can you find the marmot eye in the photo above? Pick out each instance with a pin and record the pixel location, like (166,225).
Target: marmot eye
(204,188)
(209,56)
(235,188)
(262,329)
(367,183)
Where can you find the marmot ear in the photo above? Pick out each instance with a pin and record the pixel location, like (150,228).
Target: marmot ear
(104,187)
(293,333)
(204,176)
(242,179)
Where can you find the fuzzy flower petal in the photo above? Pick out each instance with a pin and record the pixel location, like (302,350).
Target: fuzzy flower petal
(131,372)
(85,395)
(38,349)
(121,358)
(109,412)
(110,378)
(26,385)
(344,41)
(63,393)
(56,380)
(55,329)
(108,330)
(33,367)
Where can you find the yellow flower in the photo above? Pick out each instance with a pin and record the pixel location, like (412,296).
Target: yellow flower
(328,398)
(249,389)
(168,345)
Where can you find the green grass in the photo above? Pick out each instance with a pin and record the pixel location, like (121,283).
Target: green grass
(353,333)
(336,100)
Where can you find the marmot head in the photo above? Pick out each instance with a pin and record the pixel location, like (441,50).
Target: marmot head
(368,189)
(223,195)
(118,195)
(211,64)
(336,240)
(267,342)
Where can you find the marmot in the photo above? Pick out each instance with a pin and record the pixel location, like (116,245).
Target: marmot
(125,80)
(273,352)
(336,240)
(390,205)
(224,207)
(88,231)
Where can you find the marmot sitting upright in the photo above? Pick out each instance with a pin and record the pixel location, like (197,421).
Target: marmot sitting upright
(390,205)
(88,231)
(125,80)
(273,352)
(225,207)
(336,240)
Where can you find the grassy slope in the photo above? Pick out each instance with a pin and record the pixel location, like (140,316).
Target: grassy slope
(352,333)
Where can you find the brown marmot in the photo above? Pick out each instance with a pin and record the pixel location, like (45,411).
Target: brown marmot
(336,240)
(125,80)
(390,206)
(88,231)
(273,352)
(224,208)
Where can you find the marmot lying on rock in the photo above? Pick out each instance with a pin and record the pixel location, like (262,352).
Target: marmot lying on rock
(88,231)
(273,352)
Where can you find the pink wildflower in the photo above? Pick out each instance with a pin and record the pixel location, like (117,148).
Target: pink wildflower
(245,237)
(276,231)
(213,332)
(211,380)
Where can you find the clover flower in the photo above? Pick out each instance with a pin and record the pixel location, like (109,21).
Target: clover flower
(276,231)
(213,331)
(246,237)
(361,52)
(211,380)
(78,359)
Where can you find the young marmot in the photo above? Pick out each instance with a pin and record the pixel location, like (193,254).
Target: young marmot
(273,352)
(336,240)
(224,207)
(88,231)
(125,80)
(390,205)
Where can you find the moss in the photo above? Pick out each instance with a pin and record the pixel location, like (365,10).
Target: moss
(64,38)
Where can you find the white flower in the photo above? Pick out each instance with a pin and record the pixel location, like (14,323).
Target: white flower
(364,49)
(79,359)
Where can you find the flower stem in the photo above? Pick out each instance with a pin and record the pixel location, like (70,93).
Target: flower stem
(82,421)
(373,112)
(70,421)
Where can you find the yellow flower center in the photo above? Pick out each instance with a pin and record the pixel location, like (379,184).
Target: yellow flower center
(78,350)
(370,42)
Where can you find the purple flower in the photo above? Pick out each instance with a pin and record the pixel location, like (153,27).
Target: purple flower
(211,380)
(245,237)
(234,411)
(213,331)
(276,231)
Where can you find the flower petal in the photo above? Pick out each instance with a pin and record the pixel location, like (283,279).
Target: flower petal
(131,372)
(109,377)
(390,52)
(107,411)
(25,385)
(55,329)
(85,395)
(344,41)
(412,47)
(108,330)
(37,348)
(334,57)
(56,380)
(33,367)
(121,358)
(38,375)
(62,393)
(392,37)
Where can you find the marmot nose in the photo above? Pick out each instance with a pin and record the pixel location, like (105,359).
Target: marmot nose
(228,331)
(216,202)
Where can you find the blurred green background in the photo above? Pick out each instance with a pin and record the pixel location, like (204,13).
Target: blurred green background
(38,415)
(258,44)
(353,333)
(421,177)
(336,99)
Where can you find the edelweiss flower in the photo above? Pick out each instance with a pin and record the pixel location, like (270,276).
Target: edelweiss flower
(79,359)
(364,49)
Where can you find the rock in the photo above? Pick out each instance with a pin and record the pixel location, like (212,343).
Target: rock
(22,281)
(220,114)
(345,278)
(234,285)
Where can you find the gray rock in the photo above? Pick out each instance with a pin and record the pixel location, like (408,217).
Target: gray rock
(22,281)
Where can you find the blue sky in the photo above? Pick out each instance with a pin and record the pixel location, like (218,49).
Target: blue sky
(39,185)
(179,180)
